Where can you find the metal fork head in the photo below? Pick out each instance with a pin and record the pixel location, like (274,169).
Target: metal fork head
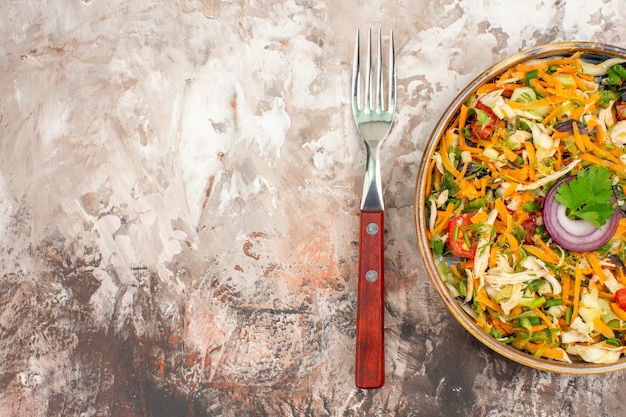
(373,120)
(372,109)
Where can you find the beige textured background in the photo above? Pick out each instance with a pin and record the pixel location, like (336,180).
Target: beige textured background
(179,190)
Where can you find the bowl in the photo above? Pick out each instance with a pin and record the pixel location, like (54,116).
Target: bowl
(593,52)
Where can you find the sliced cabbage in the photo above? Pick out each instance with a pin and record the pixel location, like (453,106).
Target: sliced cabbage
(589,309)
(610,281)
(438,162)
(606,115)
(593,307)
(600,68)
(442,198)
(517,293)
(497,104)
(519,137)
(597,353)
(524,95)
(534,268)
(545,145)
(553,177)
(617,134)
(481,258)
(579,331)
(433,215)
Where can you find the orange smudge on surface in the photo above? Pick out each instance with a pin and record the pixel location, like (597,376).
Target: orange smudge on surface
(247,246)
(207,193)
(161,368)
(174,340)
(238,268)
(191,358)
(233,107)
(312,262)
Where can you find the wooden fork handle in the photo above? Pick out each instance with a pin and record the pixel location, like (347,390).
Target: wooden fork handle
(370,343)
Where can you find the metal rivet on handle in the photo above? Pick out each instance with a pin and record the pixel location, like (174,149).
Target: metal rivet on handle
(371,229)
(371,275)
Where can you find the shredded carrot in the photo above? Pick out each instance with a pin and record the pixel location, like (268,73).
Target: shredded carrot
(510,190)
(429,178)
(483,298)
(486,88)
(567,282)
(560,135)
(600,152)
(544,318)
(578,276)
(502,211)
(548,101)
(493,257)
(577,112)
(620,169)
(509,154)
(445,157)
(546,351)
(463,116)
(621,228)
(581,83)
(549,255)
(538,86)
(442,219)
(538,253)
(503,326)
(597,269)
(606,295)
(556,110)
(513,244)
(603,328)
(578,139)
(618,311)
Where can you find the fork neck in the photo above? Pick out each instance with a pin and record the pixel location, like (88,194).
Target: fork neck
(372,198)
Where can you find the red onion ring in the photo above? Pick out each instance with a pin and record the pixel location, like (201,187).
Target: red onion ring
(575,235)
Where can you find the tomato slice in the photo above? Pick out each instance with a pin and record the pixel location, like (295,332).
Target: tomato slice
(529,226)
(462,238)
(620,298)
(482,128)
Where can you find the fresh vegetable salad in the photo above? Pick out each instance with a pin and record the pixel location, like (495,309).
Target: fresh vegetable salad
(525,208)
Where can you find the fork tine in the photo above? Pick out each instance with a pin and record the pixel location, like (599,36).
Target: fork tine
(392,80)
(379,74)
(356,78)
(368,71)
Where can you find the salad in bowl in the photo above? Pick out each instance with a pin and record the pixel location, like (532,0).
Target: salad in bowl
(520,208)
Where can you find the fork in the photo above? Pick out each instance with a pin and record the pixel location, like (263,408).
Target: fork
(373,122)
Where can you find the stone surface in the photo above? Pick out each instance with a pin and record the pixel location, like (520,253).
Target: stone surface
(179,190)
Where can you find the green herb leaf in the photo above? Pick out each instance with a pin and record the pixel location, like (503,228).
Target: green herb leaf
(588,196)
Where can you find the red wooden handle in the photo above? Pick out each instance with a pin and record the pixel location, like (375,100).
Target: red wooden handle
(370,318)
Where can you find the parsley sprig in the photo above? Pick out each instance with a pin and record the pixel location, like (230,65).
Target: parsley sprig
(588,196)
